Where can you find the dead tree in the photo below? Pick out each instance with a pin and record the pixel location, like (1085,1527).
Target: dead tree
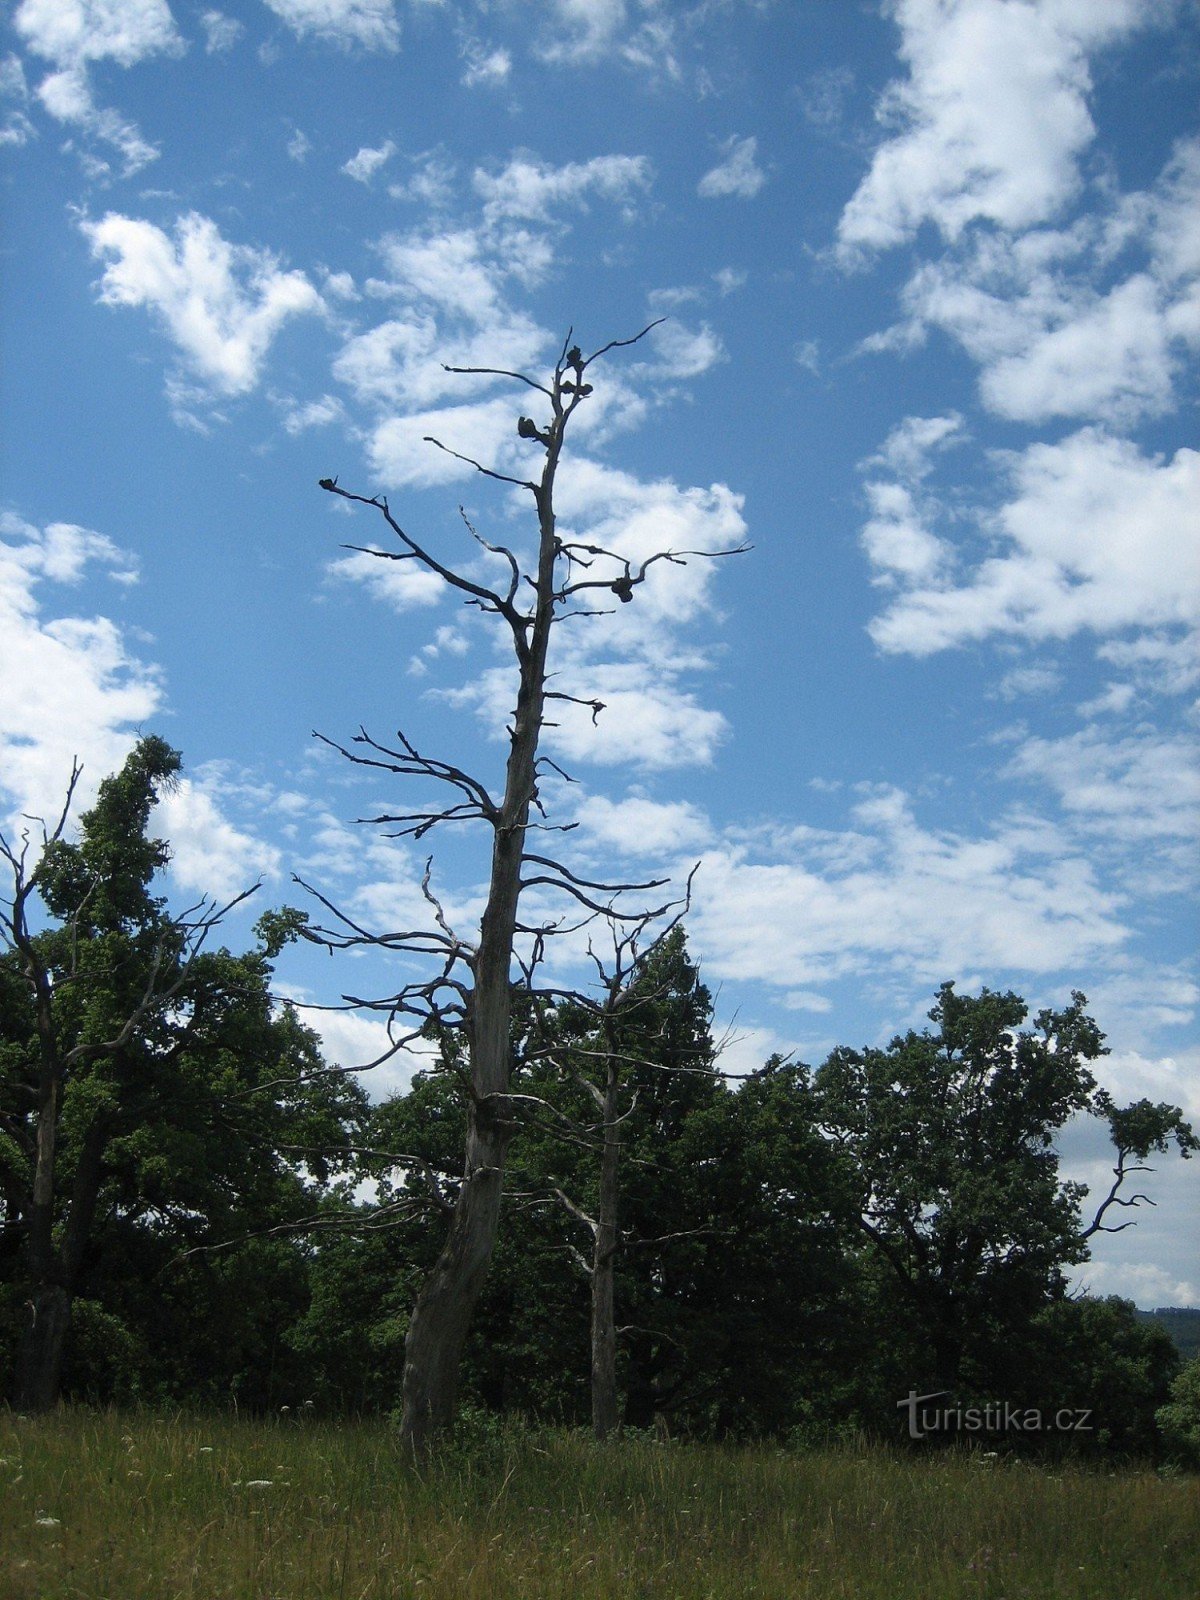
(472,988)
(600,1068)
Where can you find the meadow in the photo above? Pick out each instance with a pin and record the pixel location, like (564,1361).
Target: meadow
(134,1506)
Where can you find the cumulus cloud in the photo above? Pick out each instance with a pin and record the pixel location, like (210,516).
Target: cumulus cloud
(1051,333)
(317,413)
(575,32)
(69,685)
(399,451)
(891,895)
(70,32)
(485,65)
(16,128)
(452,270)
(400,584)
(1139,1281)
(1142,785)
(363,166)
(640,826)
(369,24)
(74,33)
(737,175)
(221,33)
(221,304)
(1097,536)
(402,362)
(990,122)
(530,189)
(209,853)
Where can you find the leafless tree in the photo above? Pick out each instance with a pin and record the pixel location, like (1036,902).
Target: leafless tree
(600,1069)
(471,986)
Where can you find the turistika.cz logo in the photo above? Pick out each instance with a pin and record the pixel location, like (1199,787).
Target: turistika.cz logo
(926,1417)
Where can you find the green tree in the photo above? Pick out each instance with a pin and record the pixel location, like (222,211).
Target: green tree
(1179,1419)
(147,1084)
(949,1170)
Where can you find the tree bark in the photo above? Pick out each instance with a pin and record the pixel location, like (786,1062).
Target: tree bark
(606,1418)
(55,1270)
(40,1359)
(442,1315)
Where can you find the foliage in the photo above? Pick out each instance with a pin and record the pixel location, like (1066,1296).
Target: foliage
(950,1173)
(1179,1419)
(154,1102)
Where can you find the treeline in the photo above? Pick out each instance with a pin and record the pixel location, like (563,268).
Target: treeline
(195,1208)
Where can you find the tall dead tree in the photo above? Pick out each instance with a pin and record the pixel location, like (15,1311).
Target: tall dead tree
(472,990)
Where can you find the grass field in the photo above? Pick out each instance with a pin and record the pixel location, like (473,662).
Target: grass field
(138,1507)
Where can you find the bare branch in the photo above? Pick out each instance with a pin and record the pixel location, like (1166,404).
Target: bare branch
(488,472)
(620,344)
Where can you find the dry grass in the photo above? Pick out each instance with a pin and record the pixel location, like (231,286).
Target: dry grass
(149,1508)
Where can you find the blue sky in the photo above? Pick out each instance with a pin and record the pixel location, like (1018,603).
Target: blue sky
(931,275)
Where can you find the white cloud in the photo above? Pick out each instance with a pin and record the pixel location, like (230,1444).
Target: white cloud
(1096,537)
(1021,682)
(70,32)
(647,722)
(991,120)
(73,33)
(1055,328)
(298,146)
(638,826)
(221,304)
(402,362)
(897,538)
(349,1039)
(683,352)
(400,584)
(16,128)
(314,414)
(69,686)
(889,894)
(1139,1281)
(399,452)
(363,166)
(738,175)
(897,542)
(574,32)
(1142,786)
(370,24)
(221,32)
(209,854)
(431,182)
(484,65)
(530,189)
(450,270)
(909,449)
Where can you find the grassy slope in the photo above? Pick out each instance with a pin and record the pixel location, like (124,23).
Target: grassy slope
(142,1508)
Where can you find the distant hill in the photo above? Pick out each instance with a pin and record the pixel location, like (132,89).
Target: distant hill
(1182,1323)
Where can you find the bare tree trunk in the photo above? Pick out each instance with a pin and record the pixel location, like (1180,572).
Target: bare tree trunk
(565,572)
(442,1315)
(606,1418)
